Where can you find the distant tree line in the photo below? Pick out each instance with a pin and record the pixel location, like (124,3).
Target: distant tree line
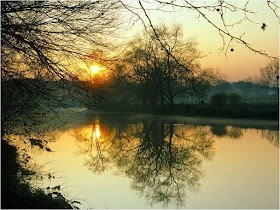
(45,41)
(151,76)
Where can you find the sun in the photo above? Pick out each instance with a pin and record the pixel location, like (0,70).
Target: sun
(94,69)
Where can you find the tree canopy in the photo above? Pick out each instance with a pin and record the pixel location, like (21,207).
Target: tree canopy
(43,38)
(161,74)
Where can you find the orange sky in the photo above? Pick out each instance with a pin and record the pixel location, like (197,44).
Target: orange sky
(241,63)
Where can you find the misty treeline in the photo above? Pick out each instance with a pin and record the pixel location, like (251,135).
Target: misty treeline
(46,47)
(42,43)
(150,76)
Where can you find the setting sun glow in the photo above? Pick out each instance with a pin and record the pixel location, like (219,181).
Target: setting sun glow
(94,69)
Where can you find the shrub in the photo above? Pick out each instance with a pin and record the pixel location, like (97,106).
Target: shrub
(219,99)
(234,98)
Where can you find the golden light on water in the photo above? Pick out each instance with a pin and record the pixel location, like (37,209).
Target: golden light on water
(94,69)
(96,131)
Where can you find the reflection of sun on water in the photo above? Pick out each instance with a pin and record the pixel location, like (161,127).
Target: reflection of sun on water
(96,132)
(92,132)
(94,69)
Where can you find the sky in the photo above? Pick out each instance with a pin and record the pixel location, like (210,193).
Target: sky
(242,62)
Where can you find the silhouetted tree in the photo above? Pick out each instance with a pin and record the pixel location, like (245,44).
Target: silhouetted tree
(206,10)
(268,75)
(45,40)
(160,75)
(207,80)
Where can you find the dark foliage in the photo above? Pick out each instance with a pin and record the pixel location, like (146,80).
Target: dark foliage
(16,193)
(219,99)
(234,98)
(243,111)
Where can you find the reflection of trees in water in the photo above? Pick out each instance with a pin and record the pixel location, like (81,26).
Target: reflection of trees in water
(272,136)
(93,143)
(227,131)
(28,145)
(96,140)
(219,131)
(162,160)
(234,132)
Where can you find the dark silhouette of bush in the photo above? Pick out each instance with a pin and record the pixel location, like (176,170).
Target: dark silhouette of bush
(219,131)
(234,98)
(16,191)
(219,99)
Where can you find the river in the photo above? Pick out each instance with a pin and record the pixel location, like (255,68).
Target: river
(117,160)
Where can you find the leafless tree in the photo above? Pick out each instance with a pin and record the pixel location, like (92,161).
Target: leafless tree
(269,75)
(45,38)
(46,41)
(158,73)
(215,13)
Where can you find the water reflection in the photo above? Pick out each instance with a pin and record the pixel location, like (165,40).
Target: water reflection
(163,160)
(226,131)
(236,133)
(92,142)
(272,136)
(219,131)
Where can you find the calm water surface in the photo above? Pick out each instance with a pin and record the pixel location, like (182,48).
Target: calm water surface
(138,161)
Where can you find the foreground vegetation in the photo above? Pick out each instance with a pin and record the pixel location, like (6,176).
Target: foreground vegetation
(16,192)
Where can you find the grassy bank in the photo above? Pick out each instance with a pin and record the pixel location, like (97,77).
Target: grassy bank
(16,193)
(241,111)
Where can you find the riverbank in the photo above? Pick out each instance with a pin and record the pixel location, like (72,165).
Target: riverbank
(241,111)
(16,192)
